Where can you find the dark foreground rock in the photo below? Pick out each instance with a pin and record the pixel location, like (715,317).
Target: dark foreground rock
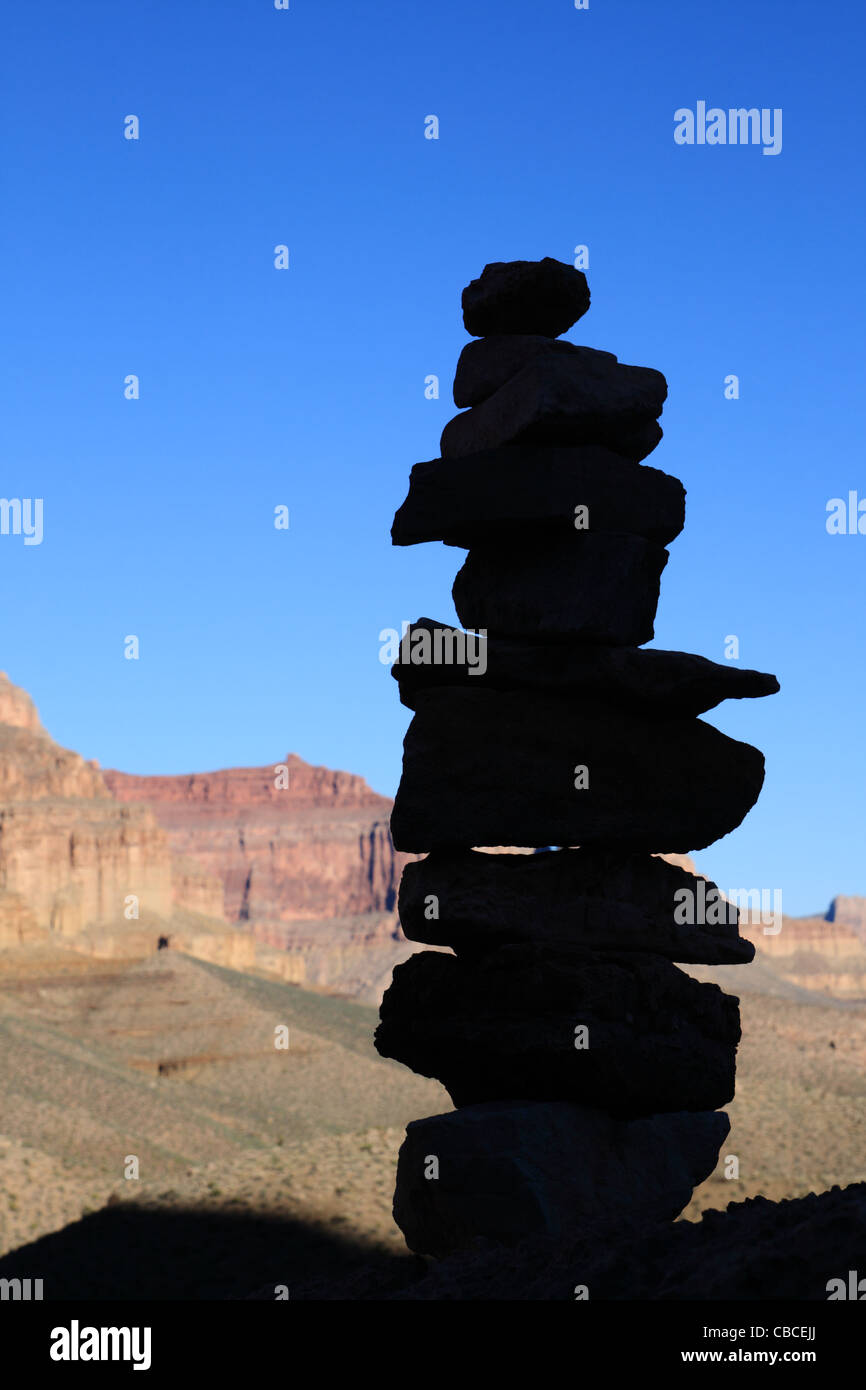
(507,768)
(649,681)
(507,1170)
(545,297)
(500,493)
(594,586)
(756,1250)
(510,1025)
(473,902)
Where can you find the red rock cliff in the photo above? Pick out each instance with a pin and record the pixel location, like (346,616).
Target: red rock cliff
(71,858)
(289,841)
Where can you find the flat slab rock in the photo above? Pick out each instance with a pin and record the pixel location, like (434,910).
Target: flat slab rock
(545,296)
(498,768)
(511,1169)
(560,399)
(474,902)
(497,494)
(506,1025)
(648,680)
(598,586)
(487,364)
(595,383)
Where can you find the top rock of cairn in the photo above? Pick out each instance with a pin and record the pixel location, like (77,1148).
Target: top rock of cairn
(545,297)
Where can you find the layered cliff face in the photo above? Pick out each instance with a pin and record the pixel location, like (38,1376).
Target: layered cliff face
(824,954)
(351,955)
(306,864)
(290,842)
(849,912)
(77,868)
(77,862)
(111,865)
(34,768)
(17,710)
(67,850)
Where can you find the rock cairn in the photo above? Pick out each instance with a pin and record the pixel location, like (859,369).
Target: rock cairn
(586,1068)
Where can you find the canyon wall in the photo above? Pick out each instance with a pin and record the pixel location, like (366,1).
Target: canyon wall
(290,842)
(80,870)
(17,710)
(288,868)
(824,954)
(306,862)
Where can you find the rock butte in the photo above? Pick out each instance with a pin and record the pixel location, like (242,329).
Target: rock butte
(586,1068)
(72,859)
(317,848)
(305,874)
(307,869)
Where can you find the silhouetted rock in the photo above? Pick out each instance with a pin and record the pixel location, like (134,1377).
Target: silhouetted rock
(508,1169)
(650,681)
(473,902)
(486,364)
(597,586)
(545,297)
(506,1026)
(553,729)
(556,400)
(499,768)
(499,494)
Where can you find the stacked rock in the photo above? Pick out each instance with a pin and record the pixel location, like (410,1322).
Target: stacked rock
(586,1068)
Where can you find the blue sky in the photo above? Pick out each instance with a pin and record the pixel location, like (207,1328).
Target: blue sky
(305,387)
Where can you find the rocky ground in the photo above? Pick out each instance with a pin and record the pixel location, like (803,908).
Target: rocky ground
(173,1061)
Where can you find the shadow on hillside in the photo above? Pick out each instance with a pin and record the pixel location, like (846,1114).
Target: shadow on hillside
(131,1252)
(756,1250)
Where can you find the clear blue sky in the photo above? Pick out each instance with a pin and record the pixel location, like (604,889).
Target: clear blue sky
(306,387)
